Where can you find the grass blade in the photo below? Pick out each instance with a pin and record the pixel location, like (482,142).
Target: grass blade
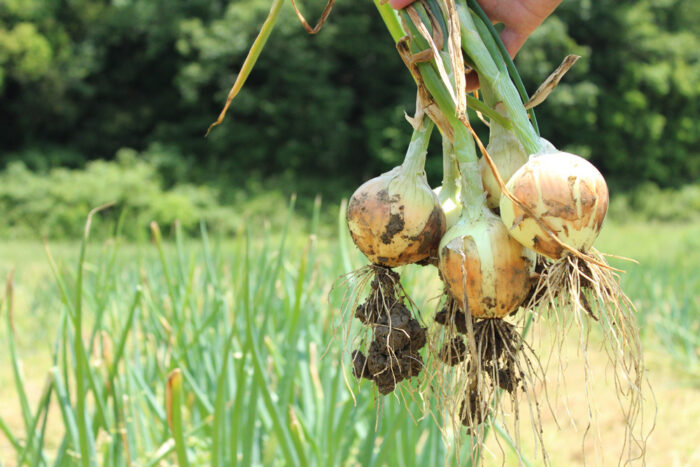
(42,409)
(16,372)
(87,442)
(8,434)
(174,408)
(250,60)
(280,429)
(66,408)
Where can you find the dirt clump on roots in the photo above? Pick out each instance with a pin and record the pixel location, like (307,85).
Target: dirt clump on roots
(497,342)
(396,336)
(451,315)
(384,294)
(453,352)
(481,361)
(472,411)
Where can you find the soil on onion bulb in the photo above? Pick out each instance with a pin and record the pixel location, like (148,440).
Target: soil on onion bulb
(387,351)
(480,366)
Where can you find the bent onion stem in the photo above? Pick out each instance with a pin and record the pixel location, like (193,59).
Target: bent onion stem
(250,59)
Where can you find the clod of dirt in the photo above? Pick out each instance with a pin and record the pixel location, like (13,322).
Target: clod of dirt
(385,280)
(456,317)
(359,365)
(441,317)
(383,296)
(507,379)
(386,382)
(393,353)
(453,352)
(391,330)
(417,335)
(472,411)
(497,339)
(366,313)
(396,336)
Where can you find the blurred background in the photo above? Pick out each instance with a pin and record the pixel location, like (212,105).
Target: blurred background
(124,90)
(108,101)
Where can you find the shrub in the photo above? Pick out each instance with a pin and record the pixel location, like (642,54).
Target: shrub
(54,204)
(648,202)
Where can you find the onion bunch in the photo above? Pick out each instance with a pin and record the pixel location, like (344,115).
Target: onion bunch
(534,254)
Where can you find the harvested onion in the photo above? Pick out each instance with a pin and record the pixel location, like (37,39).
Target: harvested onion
(479,257)
(395,218)
(567,193)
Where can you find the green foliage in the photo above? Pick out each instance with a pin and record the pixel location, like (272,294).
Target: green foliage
(54,204)
(91,77)
(144,187)
(238,332)
(124,75)
(24,53)
(247,325)
(648,203)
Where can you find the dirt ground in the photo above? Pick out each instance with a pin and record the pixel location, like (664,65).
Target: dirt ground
(673,403)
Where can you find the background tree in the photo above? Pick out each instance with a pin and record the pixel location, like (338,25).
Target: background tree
(79,80)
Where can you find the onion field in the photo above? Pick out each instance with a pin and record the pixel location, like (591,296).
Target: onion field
(229,351)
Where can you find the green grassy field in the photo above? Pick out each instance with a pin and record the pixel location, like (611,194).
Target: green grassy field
(240,336)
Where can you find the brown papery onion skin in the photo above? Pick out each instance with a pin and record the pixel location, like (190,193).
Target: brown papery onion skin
(567,193)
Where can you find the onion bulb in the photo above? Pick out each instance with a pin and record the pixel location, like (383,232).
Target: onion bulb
(507,153)
(479,260)
(566,192)
(395,218)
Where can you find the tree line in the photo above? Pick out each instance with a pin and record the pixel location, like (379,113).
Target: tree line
(80,80)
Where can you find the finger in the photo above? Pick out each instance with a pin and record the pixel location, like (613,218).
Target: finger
(513,40)
(398,4)
(472,81)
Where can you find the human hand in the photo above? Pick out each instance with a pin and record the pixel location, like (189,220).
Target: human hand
(520,17)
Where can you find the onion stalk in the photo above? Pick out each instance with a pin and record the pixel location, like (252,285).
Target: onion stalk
(449,192)
(498,80)
(507,153)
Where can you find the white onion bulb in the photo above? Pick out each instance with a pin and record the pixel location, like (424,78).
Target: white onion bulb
(566,192)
